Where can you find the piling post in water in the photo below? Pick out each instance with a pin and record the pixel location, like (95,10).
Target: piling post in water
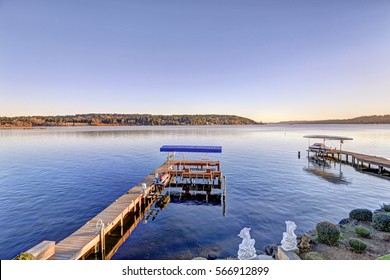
(224,197)
(103,242)
(96,249)
(100,226)
(122,225)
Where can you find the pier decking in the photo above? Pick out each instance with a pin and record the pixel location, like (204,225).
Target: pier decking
(360,161)
(379,161)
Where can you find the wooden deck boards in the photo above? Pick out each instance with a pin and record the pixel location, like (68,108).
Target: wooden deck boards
(375,160)
(380,161)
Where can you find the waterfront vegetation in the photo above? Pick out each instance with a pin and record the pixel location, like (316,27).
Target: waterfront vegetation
(362,236)
(123,120)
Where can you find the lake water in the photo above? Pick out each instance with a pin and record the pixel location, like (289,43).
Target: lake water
(52,181)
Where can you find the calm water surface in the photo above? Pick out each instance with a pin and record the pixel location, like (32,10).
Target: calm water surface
(53,181)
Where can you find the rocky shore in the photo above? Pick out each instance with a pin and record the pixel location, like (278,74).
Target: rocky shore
(364,235)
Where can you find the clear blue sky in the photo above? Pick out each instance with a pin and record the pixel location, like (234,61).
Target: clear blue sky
(267,60)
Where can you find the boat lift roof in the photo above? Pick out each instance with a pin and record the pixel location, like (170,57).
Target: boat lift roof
(191,149)
(328,137)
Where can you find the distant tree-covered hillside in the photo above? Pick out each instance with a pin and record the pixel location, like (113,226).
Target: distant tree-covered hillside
(123,120)
(374,119)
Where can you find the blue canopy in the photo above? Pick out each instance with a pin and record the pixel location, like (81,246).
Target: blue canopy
(191,149)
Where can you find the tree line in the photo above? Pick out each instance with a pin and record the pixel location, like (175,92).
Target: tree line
(122,120)
(373,119)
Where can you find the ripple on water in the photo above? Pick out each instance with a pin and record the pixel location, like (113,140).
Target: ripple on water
(53,181)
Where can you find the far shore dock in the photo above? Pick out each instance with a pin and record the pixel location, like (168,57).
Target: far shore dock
(362,162)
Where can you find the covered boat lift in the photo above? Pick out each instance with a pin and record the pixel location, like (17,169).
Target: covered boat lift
(320,149)
(328,138)
(193,169)
(198,176)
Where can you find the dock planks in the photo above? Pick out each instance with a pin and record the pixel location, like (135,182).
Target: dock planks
(379,161)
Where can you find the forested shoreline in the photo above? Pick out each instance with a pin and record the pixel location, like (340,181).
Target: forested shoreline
(373,119)
(122,120)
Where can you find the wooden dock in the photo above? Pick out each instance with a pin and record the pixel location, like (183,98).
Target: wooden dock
(360,161)
(85,239)
(362,158)
(116,222)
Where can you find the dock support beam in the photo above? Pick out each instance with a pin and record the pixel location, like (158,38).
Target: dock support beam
(122,225)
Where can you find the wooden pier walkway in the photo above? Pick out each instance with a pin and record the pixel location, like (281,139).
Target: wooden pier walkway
(378,161)
(78,244)
(359,160)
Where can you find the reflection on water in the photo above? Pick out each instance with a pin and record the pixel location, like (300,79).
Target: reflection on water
(323,168)
(64,176)
(194,195)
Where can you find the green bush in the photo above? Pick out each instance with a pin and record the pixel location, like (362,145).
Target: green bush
(385,257)
(363,232)
(385,207)
(358,245)
(24,256)
(314,256)
(361,215)
(381,221)
(328,233)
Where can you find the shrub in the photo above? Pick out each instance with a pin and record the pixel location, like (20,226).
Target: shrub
(381,221)
(363,232)
(358,245)
(361,215)
(328,233)
(385,257)
(385,207)
(24,256)
(314,256)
